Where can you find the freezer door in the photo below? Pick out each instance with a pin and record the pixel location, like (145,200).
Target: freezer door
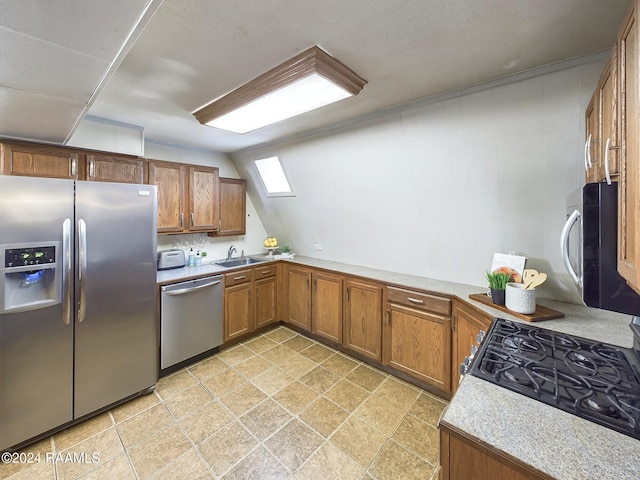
(116,340)
(36,331)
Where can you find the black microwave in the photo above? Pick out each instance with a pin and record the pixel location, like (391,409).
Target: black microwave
(589,243)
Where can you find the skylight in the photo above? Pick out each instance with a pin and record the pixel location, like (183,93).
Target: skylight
(273,177)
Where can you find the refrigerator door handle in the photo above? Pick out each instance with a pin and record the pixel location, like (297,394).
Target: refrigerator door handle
(82,269)
(564,245)
(66,271)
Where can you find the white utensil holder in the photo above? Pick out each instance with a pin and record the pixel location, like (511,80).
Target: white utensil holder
(519,299)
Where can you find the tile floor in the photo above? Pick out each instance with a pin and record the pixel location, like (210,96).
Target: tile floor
(278,406)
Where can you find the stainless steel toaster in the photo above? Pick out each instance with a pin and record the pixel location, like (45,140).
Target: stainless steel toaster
(168,259)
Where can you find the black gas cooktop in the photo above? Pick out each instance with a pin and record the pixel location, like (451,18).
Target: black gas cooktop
(593,380)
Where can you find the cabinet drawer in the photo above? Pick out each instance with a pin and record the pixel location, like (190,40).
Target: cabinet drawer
(237,277)
(420,301)
(264,271)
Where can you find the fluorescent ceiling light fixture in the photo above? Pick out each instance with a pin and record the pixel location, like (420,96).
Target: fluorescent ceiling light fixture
(308,81)
(272,175)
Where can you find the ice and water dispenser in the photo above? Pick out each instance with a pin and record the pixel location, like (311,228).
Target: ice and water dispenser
(31,276)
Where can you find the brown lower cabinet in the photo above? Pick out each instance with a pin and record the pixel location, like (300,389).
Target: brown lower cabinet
(250,300)
(363,318)
(417,335)
(238,307)
(468,322)
(461,458)
(266,294)
(299,297)
(326,306)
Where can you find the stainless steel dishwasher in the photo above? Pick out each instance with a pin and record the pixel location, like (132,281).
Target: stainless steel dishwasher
(190,319)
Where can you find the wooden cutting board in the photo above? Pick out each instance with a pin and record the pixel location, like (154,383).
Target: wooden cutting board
(541,313)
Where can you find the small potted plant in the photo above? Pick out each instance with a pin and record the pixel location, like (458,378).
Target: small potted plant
(285,251)
(498,283)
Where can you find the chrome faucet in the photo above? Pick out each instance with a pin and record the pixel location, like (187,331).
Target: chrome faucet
(230,252)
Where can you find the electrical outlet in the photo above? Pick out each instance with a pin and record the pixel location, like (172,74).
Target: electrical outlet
(317,246)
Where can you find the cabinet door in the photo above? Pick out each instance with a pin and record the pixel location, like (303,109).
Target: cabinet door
(232,207)
(629,185)
(609,140)
(169,177)
(462,459)
(299,307)
(592,139)
(237,311)
(265,303)
(418,343)
(326,305)
(203,199)
(39,161)
(467,324)
(363,319)
(108,168)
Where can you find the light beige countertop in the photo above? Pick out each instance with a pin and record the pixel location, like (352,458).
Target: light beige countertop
(555,442)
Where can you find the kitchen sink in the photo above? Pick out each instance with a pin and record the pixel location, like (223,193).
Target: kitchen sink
(238,262)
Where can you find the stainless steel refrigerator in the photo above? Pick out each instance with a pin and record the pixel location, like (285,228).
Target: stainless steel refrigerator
(77,300)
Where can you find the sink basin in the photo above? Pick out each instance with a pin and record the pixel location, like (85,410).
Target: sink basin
(238,262)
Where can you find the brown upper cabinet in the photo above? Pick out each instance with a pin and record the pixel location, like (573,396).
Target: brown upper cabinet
(609,138)
(233,207)
(592,139)
(629,183)
(178,183)
(39,161)
(112,168)
(204,199)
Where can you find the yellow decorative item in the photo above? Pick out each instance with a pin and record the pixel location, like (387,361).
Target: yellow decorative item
(270,242)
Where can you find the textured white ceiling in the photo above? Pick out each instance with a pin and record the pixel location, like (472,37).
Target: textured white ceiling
(193,51)
(56,56)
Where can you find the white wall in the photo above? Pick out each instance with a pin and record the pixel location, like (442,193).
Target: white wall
(216,247)
(434,190)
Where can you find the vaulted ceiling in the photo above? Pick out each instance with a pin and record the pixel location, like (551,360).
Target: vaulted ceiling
(151,63)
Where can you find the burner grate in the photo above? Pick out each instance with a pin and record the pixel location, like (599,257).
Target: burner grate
(589,379)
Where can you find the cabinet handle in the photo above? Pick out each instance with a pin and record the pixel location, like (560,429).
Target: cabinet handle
(587,159)
(307,282)
(73,167)
(193,217)
(454,322)
(91,168)
(181,220)
(348,294)
(388,317)
(266,272)
(240,277)
(315,284)
(606,162)
(416,300)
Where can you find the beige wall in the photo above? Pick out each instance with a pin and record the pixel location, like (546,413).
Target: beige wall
(434,190)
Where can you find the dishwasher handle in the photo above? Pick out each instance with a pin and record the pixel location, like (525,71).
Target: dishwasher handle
(182,291)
